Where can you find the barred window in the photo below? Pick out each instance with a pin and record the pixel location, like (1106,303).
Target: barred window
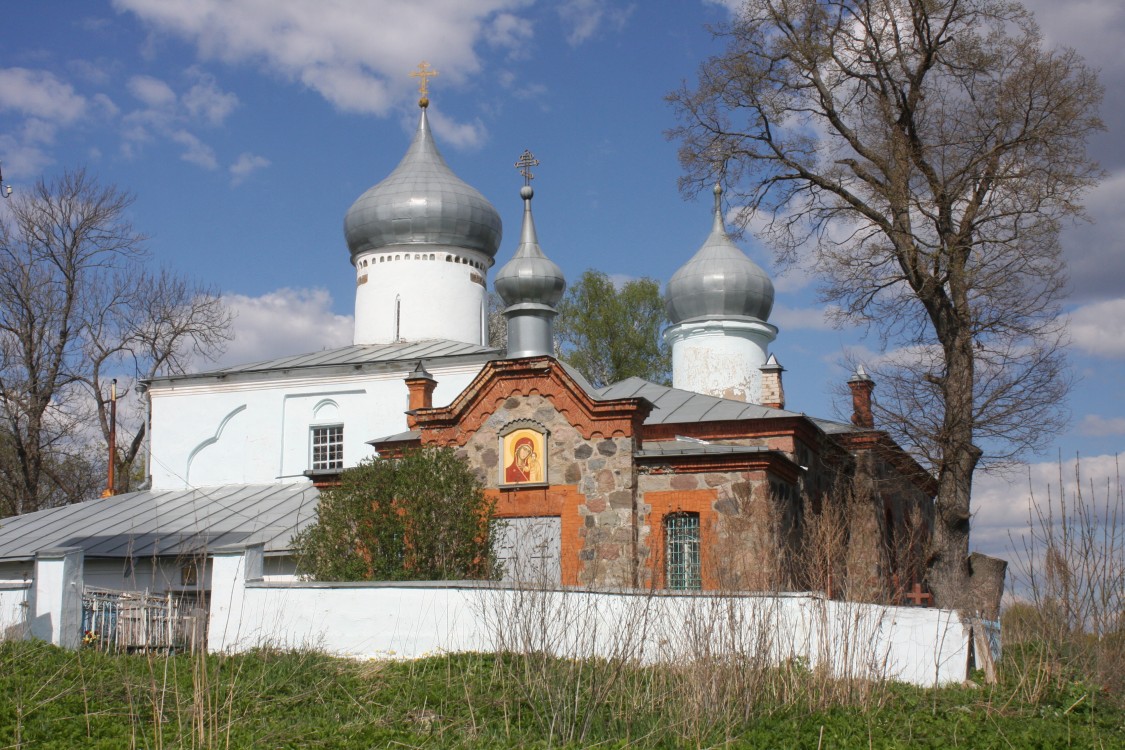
(328,447)
(681,551)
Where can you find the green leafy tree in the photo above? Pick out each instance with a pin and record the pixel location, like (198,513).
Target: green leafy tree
(423,516)
(921,156)
(609,333)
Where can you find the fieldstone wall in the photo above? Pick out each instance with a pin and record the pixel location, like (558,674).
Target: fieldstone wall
(602,470)
(742,523)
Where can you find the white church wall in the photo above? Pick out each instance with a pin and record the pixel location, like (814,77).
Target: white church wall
(405,294)
(380,620)
(242,431)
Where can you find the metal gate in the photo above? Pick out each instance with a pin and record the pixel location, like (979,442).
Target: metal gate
(529,550)
(140,621)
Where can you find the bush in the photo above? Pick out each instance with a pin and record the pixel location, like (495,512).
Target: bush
(423,516)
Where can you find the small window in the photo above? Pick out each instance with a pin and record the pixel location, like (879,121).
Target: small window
(681,552)
(328,447)
(189,574)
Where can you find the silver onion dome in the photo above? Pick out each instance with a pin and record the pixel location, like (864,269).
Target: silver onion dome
(719,281)
(422,202)
(530,277)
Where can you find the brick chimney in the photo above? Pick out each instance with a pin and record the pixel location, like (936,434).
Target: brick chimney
(421,386)
(862,385)
(773,395)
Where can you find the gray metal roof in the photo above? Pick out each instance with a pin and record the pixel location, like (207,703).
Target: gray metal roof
(674,406)
(832,427)
(355,355)
(166,523)
(719,281)
(397,437)
(422,202)
(661,448)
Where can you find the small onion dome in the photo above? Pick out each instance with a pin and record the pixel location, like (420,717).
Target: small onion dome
(530,276)
(422,203)
(719,281)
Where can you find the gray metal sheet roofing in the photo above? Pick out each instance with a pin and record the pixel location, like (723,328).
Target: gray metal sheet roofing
(657,449)
(422,202)
(832,427)
(674,406)
(171,522)
(409,351)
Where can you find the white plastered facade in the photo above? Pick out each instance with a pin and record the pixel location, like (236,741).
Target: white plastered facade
(256,428)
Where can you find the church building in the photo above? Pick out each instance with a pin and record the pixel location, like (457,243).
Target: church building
(709,483)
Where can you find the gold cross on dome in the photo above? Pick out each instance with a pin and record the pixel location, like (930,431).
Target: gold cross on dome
(526,161)
(425,72)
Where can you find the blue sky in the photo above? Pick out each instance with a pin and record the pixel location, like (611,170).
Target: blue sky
(247,127)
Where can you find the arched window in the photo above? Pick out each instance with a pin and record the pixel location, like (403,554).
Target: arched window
(681,552)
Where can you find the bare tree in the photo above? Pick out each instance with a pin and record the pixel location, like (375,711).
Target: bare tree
(78,306)
(924,153)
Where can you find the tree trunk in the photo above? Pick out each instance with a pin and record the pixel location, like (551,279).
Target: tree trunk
(949,571)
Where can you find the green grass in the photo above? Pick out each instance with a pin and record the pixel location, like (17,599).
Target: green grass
(50,698)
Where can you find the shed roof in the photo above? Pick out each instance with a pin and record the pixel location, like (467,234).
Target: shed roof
(166,523)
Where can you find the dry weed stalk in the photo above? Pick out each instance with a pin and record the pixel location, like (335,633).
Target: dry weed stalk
(1070,566)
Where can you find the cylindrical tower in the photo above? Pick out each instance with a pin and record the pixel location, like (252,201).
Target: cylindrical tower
(422,242)
(718,303)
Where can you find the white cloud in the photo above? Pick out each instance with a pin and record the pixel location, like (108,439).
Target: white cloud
(38,93)
(734,6)
(284,322)
(21,159)
(1000,502)
(462,135)
(356,55)
(245,165)
(1099,328)
(195,151)
(1096,425)
(508,30)
(808,318)
(152,92)
(586,18)
(205,100)
(106,105)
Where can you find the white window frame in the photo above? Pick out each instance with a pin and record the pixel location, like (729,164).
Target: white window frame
(333,460)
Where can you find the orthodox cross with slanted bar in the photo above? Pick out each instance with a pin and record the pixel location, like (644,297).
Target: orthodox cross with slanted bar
(425,72)
(526,161)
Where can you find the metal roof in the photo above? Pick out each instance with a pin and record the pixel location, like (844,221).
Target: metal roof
(657,449)
(674,406)
(166,523)
(422,203)
(832,427)
(719,281)
(355,355)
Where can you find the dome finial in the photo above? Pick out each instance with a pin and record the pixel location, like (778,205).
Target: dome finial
(530,284)
(425,72)
(718,191)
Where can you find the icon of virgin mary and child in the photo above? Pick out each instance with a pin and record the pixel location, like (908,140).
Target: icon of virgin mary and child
(525,466)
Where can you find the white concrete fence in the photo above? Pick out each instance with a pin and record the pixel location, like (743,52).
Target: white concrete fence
(409,620)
